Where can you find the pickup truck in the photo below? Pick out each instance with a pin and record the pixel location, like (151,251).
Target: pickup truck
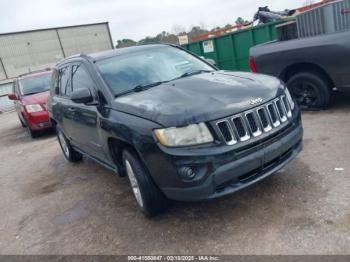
(311,67)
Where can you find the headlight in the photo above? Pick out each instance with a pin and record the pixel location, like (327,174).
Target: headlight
(290,99)
(33,108)
(184,136)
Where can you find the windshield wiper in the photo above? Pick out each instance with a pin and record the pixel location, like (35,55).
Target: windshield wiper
(197,72)
(140,87)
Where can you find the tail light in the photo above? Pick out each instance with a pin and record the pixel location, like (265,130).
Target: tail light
(252,64)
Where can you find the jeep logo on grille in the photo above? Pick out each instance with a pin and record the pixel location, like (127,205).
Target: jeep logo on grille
(256,101)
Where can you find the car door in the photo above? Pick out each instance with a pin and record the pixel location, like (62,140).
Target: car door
(86,116)
(63,104)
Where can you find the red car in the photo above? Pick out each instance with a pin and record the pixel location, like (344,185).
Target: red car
(30,92)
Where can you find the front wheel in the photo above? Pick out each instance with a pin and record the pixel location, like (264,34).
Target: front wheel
(32,133)
(68,151)
(22,123)
(148,196)
(310,90)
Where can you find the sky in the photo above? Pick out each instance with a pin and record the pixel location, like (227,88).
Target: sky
(133,19)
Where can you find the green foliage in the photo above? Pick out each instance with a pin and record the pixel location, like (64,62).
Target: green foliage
(163,37)
(172,38)
(125,43)
(241,21)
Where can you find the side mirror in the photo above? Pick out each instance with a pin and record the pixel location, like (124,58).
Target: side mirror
(82,96)
(12,96)
(211,61)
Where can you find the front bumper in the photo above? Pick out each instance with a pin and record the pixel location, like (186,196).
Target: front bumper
(37,121)
(225,177)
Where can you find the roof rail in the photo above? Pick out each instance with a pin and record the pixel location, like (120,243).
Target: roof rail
(36,71)
(73,56)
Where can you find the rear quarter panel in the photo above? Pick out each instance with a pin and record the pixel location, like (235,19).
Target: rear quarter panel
(330,52)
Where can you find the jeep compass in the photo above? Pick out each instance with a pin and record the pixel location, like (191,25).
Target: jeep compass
(173,123)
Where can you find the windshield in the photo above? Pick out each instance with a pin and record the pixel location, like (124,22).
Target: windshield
(35,84)
(125,72)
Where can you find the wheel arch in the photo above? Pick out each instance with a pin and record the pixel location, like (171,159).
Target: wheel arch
(293,69)
(116,147)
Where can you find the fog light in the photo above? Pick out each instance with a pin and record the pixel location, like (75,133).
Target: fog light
(187,172)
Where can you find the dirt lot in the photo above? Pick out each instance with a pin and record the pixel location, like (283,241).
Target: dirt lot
(49,206)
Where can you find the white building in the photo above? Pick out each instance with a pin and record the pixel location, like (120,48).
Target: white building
(23,52)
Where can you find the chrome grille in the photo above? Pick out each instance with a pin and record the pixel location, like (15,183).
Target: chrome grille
(287,106)
(254,123)
(240,128)
(264,118)
(273,114)
(281,110)
(226,132)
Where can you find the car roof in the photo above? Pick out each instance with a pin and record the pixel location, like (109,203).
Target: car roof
(126,50)
(34,74)
(113,52)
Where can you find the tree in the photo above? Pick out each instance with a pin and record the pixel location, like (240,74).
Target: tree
(241,21)
(163,37)
(308,2)
(195,31)
(125,43)
(178,30)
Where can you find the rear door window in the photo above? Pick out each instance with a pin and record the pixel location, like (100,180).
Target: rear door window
(64,86)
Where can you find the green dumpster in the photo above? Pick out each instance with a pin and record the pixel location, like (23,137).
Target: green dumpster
(231,51)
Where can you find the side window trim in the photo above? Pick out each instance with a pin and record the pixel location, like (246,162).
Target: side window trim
(68,83)
(15,88)
(54,82)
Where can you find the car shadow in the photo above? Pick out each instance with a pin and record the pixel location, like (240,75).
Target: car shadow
(341,100)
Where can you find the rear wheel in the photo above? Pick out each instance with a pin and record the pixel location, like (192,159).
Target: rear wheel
(70,154)
(310,90)
(148,196)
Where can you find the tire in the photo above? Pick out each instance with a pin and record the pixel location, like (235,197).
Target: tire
(69,153)
(33,134)
(149,198)
(310,90)
(22,123)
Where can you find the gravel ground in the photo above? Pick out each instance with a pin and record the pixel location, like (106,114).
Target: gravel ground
(50,206)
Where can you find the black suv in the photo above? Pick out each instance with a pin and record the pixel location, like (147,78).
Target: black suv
(175,125)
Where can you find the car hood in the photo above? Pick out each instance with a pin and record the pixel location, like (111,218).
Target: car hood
(39,98)
(200,98)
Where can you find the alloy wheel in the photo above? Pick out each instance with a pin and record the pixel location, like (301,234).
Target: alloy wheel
(306,94)
(63,143)
(134,183)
